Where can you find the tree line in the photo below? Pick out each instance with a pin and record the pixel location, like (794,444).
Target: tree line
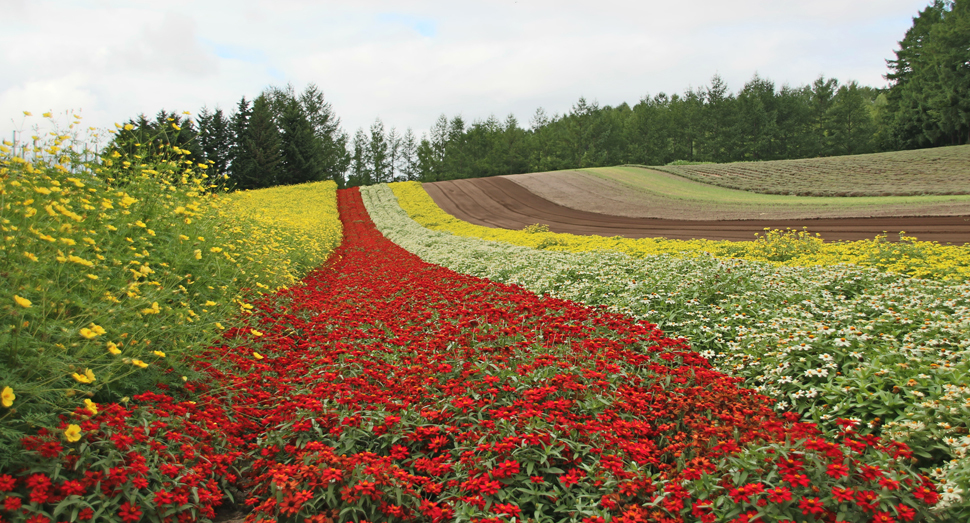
(278,138)
(283,138)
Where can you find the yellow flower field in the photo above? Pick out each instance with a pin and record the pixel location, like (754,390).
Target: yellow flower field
(115,273)
(793,248)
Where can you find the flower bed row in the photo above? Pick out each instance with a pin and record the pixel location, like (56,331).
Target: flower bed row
(384,388)
(920,259)
(828,342)
(116,274)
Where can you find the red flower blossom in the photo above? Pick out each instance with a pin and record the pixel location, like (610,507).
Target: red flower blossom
(779,495)
(129,512)
(812,506)
(12,503)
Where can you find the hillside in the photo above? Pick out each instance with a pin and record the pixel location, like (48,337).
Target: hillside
(647,193)
(943,170)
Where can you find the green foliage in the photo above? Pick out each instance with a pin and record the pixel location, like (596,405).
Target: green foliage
(928,101)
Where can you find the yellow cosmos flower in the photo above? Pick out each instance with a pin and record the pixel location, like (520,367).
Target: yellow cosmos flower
(158,353)
(91,406)
(92,331)
(23,302)
(257,355)
(87,377)
(129,127)
(139,363)
(7,396)
(219,326)
(28,113)
(47,114)
(152,310)
(73,433)
(113,348)
(198,254)
(256,332)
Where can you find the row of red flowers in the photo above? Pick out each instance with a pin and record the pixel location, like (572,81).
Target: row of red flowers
(387,389)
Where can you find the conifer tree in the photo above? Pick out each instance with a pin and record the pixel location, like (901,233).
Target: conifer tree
(377,153)
(301,149)
(408,162)
(215,139)
(261,146)
(334,158)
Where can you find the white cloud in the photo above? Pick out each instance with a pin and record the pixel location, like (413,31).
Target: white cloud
(408,62)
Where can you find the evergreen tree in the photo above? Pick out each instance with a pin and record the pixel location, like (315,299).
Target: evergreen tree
(359,164)
(851,124)
(301,149)
(515,147)
(262,145)
(334,158)
(240,159)
(823,96)
(757,121)
(428,164)
(215,139)
(929,95)
(378,156)
(720,121)
(393,153)
(408,161)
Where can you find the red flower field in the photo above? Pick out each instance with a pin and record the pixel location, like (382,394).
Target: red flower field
(387,389)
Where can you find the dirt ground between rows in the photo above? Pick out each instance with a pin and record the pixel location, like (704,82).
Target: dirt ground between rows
(501,203)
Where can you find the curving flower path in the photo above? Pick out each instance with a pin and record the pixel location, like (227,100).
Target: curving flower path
(387,389)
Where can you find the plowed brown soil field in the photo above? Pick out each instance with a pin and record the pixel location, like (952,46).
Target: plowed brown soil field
(502,203)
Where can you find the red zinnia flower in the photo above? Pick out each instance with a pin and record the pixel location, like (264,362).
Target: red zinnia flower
(811,506)
(129,513)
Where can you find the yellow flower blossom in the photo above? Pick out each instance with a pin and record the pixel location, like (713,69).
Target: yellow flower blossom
(73,433)
(158,353)
(129,127)
(154,309)
(23,302)
(87,377)
(139,363)
(113,348)
(257,355)
(91,406)
(7,396)
(197,254)
(256,332)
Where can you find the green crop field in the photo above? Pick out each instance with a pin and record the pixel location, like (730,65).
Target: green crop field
(944,170)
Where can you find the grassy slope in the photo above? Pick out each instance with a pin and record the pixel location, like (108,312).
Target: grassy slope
(681,192)
(944,170)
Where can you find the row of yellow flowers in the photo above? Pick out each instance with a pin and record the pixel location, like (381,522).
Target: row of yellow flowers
(794,248)
(117,273)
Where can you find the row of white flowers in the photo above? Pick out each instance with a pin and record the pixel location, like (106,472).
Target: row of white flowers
(829,342)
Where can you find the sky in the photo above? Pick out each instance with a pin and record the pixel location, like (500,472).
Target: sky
(407,62)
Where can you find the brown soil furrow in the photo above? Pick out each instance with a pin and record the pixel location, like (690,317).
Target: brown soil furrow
(501,203)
